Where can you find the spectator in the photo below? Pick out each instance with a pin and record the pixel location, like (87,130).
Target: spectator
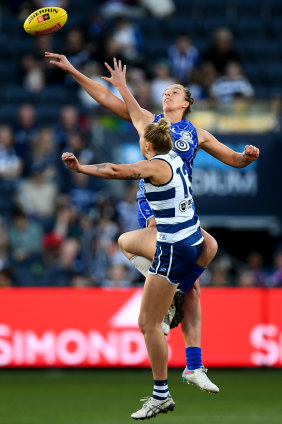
(276,275)
(25,131)
(10,163)
(183,57)
(222,51)
(36,71)
(76,51)
(24,236)
(162,79)
(70,123)
(117,277)
(128,39)
(253,271)
(45,154)
(37,196)
(81,191)
(233,85)
(127,208)
(54,272)
(247,279)
(140,86)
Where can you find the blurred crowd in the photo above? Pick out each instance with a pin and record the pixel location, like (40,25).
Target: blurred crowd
(215,73)
(59,228)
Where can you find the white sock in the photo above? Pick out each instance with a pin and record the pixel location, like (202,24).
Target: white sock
(142,264)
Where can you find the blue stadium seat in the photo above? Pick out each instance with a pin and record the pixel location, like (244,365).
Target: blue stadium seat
(250,27)
(180,25)
(21,46)
(277,27)
(8,113)
(48,114)
(8,72)
(59,94)
(15,94)
(11,26)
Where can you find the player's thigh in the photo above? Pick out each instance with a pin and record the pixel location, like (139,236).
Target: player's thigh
(157,297)
(140,242)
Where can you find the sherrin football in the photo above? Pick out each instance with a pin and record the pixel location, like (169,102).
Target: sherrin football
(45,21)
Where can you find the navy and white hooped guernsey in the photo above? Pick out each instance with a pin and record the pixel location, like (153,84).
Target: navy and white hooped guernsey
(173,206)
(185,144)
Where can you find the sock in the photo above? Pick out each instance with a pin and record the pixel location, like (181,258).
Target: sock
(160,389)
(194,273)
(193,357)
(142,264)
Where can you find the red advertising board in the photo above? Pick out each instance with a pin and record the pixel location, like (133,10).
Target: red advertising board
(98,328)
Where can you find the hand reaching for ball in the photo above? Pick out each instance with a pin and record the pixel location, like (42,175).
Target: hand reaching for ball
(59,60)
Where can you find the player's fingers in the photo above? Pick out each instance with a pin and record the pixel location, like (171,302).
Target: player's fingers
(115,64)
(106,79)
(109,68)
(119,65)
(124,69)
(55,62)
(54,55)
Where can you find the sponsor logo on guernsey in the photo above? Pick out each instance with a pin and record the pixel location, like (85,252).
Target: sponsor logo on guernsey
(185,204)
(162,236)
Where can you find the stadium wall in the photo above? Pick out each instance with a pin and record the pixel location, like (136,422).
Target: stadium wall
(98,328)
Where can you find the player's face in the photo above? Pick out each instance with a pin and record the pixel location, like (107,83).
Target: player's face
(174,98)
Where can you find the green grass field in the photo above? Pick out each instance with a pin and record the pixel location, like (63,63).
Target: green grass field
(110,396)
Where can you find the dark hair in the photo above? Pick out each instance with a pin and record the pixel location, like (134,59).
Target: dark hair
(158,134)
(188,98)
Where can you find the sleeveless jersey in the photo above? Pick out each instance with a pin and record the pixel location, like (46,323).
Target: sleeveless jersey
(172,204)
(185,144)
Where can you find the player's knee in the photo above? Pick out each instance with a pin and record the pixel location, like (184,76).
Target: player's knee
(211,247)
(196,289)
(142,324)
(122,245)
(121,241)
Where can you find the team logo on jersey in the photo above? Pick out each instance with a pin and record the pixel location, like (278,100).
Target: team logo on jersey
(185,204)
(183,144)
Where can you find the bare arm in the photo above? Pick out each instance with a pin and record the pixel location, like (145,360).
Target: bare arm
(159,171)
(97,91)
(211,145)
(139,117)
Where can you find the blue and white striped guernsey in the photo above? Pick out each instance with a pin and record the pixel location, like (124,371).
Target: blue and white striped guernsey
(173,206)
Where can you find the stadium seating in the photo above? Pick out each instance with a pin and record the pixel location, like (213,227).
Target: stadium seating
(256,27)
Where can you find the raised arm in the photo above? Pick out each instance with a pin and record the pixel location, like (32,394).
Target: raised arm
(211,145)
(139,117)
(159,171)
(97,91)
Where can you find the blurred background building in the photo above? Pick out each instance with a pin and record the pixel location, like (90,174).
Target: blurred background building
(60,228)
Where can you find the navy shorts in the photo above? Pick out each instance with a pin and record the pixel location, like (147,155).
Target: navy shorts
(173,261)
(144,212)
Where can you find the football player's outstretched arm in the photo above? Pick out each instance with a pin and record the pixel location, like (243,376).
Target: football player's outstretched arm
(223,153)
(156,169)
(97,91)
(139,117)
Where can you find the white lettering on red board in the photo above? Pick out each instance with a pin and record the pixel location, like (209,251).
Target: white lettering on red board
(267,340)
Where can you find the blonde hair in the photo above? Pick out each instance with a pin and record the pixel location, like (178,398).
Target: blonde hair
(158,134)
